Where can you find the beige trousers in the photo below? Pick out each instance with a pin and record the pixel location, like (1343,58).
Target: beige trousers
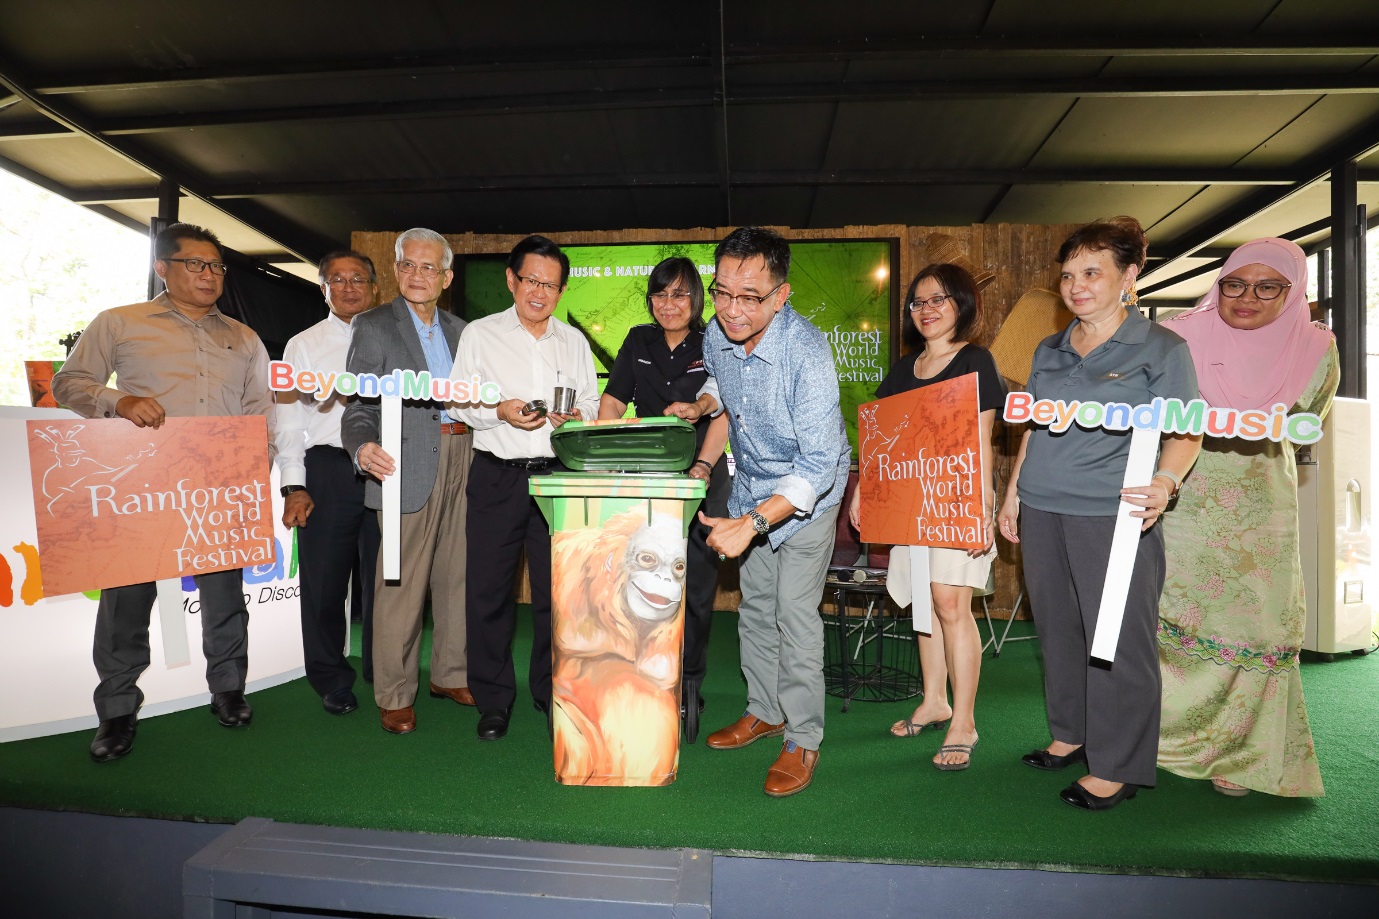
(433,556)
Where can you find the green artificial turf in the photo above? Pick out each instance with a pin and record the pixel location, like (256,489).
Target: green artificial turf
(874,797)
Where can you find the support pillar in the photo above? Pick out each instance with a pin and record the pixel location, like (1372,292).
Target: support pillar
(1348,279)
(168,200)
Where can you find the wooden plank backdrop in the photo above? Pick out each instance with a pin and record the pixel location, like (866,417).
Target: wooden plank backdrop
(1020,257)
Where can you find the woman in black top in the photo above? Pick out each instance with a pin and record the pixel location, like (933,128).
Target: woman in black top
(942,302)
(657,366)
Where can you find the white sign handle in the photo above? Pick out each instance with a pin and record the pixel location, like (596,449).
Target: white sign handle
(1139,469)
(922,601)
(392,488)
(172,621)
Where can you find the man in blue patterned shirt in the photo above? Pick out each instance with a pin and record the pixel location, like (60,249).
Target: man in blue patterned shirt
(773,373)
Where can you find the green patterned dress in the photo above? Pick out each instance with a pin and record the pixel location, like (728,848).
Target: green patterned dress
(1233,612)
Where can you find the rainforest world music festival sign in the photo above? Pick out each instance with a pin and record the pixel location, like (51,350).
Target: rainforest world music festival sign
(116,504)
(920,459)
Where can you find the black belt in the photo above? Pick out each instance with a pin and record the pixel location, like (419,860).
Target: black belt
(330,447)
(530,463)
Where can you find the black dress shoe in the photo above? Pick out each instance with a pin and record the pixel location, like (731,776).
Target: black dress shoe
(1080,797)
(493,723)
(231,708)
(340,701)
(1043,759)
(114,738)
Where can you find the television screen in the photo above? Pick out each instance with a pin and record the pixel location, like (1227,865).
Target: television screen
(845,287)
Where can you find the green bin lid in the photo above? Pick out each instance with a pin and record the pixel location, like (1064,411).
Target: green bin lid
(625,445)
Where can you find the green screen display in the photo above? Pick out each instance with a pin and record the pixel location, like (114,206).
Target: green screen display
(846,288)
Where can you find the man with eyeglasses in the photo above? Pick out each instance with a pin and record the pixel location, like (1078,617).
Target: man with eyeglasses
(526,350)
(413,333)
(773,373)
(175,356)
(323,496)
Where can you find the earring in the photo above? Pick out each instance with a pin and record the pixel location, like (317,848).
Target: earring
(1129,298)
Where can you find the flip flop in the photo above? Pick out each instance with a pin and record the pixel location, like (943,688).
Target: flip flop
(955,748)
(913,729)
(1229,788)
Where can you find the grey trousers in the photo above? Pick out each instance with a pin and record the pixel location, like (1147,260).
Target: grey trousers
(1111,708)
(781,633)
(121,650)
(433,549)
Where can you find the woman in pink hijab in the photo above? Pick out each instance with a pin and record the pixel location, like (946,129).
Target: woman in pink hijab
(1232,615)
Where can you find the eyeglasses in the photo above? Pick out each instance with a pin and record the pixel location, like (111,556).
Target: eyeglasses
(1264,290)
(198,265)
(678,297)
(348,282)
(429,271)
(723,299)
(934,303)
(549,287)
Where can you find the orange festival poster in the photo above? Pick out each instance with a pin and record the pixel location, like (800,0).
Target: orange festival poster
(920,456)
(118,504)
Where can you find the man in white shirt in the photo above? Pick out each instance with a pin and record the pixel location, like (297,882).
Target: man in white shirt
(524,350)
(322,495)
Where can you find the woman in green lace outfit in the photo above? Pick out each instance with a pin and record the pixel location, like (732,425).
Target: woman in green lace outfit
(1233,611)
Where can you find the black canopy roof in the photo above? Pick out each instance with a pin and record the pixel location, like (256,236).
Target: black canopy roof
(290,124)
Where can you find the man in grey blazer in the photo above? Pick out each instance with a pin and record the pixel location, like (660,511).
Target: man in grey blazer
(411,333)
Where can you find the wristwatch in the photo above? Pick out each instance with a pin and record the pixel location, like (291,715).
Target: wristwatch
(289,489)
(759,523)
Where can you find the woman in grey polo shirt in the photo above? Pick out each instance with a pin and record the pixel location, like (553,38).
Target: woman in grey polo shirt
(1063,494)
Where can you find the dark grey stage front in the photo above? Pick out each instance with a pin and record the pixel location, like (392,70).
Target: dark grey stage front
(62,864)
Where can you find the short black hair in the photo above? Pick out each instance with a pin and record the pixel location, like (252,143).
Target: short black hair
(958,283)
(666,273)
(749,242)
(345,253)
(169,240)
(539,245)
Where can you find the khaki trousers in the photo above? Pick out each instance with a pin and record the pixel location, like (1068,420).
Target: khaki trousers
(433,556)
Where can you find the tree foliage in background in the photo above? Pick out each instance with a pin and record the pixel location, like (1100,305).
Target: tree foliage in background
(60,264)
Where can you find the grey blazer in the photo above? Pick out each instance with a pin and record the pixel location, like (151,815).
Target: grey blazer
(385,340)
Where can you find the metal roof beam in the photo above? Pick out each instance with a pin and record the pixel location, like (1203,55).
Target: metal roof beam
(1137,45)
(1316,168)
(285,232)
(707,96)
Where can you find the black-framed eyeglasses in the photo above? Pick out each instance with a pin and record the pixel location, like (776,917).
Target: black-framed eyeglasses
(935,303)
(549,287)
(722,299)
(198,265)
(1264,290)
(348,282)
(429,271)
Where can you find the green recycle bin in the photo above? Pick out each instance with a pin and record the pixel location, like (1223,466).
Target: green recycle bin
(619,524)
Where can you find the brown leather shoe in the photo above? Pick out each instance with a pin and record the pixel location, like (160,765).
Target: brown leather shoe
(462,695)
(792,771)
(742,732)
(399,720)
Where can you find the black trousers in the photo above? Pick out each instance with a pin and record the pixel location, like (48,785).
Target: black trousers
(121,649)
(503,520)
(340,536)
(702,581)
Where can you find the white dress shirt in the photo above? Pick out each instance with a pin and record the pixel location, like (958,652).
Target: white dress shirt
(499,349)
(303,422)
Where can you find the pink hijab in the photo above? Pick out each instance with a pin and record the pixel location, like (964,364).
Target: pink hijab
(1262,367)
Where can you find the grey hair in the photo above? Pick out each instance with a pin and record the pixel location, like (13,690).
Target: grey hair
(423,235)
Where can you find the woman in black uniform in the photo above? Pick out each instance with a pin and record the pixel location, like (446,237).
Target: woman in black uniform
(659,364)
